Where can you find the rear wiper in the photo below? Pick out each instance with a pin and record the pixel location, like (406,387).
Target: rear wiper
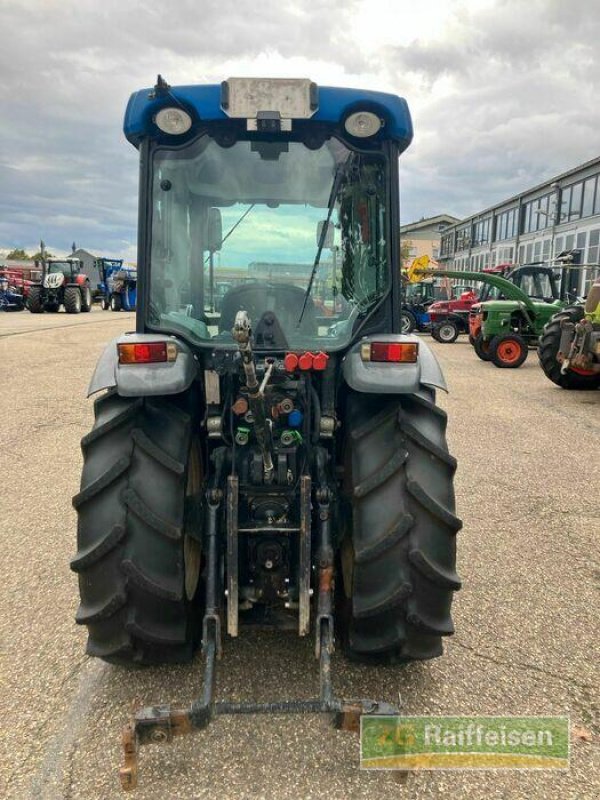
(339,174)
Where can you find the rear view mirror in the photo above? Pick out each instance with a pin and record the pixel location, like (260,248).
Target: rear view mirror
(328,240)
(215,230)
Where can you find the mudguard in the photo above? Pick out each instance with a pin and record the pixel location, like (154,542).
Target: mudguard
(383,378)
(144,380)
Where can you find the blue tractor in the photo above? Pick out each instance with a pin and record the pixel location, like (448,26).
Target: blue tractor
(9,299)
(118,286)
(255,461)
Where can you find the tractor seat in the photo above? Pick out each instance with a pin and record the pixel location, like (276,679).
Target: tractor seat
(284,300)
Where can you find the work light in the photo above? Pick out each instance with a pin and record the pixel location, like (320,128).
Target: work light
(362,124)
(173,121)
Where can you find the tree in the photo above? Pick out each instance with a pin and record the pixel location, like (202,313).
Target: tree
(38,256)
(17,255)
(406,247)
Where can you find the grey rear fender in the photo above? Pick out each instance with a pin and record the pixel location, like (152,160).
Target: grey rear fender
(144,380)
(392,378)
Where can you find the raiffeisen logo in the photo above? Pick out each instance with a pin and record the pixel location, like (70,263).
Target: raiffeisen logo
(407,743)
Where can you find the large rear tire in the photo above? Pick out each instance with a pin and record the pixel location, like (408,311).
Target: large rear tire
(549,343)
(86,298)
(34,300)
(133,546)
(398,560)
(72,302)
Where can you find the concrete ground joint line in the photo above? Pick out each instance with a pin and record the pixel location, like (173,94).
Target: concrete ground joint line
(57,766)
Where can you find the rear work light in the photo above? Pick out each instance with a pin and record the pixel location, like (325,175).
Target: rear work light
(147,352)
(392,352)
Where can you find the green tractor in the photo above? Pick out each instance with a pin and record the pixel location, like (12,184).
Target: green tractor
(569,347)
(264,460)
(502,330)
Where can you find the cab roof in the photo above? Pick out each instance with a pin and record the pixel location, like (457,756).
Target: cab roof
(204,103)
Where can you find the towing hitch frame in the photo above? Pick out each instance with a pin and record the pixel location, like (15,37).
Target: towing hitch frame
(161,724)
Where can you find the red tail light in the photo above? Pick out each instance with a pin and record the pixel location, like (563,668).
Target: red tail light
(393,352)
(147,352)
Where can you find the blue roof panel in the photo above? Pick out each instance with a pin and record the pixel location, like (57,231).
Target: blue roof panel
(205,103)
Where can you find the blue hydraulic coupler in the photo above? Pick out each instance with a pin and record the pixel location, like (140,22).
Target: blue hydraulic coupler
(295,418)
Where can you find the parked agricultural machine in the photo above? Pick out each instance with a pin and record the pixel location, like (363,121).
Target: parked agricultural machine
(20,278)
(417,299)
(10,300)
(447,307)
(504,326)
(62,284)
(118,284)
(264,464)
(569,347)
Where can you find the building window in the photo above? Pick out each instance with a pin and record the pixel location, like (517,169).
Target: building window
(537,251)
(481,231)
(463,239)
(565,204)
(506,225)
(576,196)
(589,189)
(594,247)
(537,214)
(546,250)
(558,245)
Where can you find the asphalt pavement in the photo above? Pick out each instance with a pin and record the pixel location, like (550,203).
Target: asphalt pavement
(527,627)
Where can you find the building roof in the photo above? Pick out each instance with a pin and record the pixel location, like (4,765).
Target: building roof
(80,252)
(427,222)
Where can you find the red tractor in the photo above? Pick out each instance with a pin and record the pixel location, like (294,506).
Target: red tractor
(20,278)
(450,317)
(63,284)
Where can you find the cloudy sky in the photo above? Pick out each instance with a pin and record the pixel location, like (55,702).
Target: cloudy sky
(503,94)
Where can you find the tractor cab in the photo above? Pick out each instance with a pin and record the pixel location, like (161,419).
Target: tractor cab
(537,280)
(288,217)
(63,271)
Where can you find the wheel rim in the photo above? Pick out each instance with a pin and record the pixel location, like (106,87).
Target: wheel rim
(404,324)
(586,373)
(192,551)
(446,332)
(509,351)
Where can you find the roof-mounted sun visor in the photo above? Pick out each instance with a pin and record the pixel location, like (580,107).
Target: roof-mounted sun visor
(269,104)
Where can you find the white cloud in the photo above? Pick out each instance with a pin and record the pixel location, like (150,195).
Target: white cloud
(502,93)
